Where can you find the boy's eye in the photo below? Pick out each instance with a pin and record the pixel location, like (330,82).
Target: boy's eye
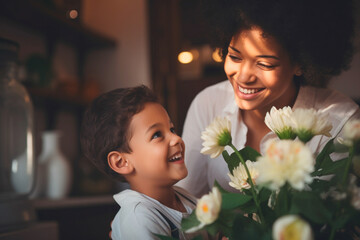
(156,135)
(172,130)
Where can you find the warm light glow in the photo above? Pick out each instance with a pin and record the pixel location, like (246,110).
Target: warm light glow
(73,14)
(216,56)
(185,57)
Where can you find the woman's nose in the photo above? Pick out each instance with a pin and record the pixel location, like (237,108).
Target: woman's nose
(245,73)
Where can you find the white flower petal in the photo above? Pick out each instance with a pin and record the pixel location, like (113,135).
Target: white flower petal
(312,121)
(208,207)
(239,176)
(279,120)
(285,161)
(196,228)
(212,134)
(352,130)
(291,225)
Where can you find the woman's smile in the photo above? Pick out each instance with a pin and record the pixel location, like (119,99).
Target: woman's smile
(248,93)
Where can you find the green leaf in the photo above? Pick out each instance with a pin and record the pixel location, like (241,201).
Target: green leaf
(232,161)
(165,237)
(264,195)
(249,207)
(324,154)
(282,205)
(328,167)
(310,205)
(189,222)
(212,229)
(224,223)
(198,237)
(246,228)
(319,185)
(226,156)
(216,184)
(234,200)
(247,153)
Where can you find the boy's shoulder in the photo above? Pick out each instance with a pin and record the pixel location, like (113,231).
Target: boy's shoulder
(137,216)
(130,199)
(137,208)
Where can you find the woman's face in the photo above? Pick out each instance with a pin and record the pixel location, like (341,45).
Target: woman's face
(260,72)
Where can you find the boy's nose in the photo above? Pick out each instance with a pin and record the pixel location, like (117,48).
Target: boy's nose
(175,139)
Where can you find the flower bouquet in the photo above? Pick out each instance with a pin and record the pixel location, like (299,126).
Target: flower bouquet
(287,193)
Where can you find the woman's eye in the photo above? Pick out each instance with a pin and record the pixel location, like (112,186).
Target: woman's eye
(234,58)
(156,135)
(266,66)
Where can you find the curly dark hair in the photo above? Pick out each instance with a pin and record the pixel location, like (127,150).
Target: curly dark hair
(106,122)
(317,34)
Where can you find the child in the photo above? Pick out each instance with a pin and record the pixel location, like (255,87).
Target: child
(128,135)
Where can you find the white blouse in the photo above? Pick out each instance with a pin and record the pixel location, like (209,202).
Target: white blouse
(218,100)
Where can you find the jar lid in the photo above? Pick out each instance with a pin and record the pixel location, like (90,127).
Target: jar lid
(8,50)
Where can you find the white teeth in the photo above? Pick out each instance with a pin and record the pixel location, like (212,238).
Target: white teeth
(176,157)
(248,91)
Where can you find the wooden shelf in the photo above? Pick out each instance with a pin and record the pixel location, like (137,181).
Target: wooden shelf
(54,24)
(73,202)
(56,97)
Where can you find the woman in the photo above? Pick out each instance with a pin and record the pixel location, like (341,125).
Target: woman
(276,53)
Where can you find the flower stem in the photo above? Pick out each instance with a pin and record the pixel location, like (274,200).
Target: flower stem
(251,183)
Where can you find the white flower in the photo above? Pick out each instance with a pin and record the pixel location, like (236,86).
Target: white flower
(207,209)
(279,121)
(239,177)
(351,132)
(291,227)
(309,122)
(216,136)
(285,161)
(355,192)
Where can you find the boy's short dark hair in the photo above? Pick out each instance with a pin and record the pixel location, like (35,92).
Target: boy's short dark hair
(106,123)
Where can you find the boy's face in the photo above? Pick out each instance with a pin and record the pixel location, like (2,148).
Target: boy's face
(157,151)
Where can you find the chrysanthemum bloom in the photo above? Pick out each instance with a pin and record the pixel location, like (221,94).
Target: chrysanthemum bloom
(352,130)
(351,135)
(355,192)
(216,136)
(291,227)
(279,121)
(309,122)
(239,177)
(285,161)
(207,209)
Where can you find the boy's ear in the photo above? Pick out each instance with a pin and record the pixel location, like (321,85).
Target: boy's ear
(119,163)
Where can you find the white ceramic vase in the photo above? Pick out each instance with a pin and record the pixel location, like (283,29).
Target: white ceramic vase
(57,175)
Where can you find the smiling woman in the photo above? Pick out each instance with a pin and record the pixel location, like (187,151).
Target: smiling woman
(276,54)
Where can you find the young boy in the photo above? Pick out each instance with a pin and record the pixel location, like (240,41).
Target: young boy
(128,135)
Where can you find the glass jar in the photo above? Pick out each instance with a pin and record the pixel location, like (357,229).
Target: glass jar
(16,141)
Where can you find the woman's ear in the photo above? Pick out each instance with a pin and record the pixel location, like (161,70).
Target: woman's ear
(298,71)
(119,163)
